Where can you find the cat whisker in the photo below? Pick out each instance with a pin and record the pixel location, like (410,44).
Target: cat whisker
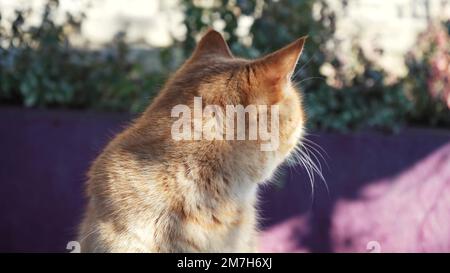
(316,168)
(316,145)
(312,145)
(300,160)
(305,154)
(315,152)
(311,153)
(302,67)
(297,83)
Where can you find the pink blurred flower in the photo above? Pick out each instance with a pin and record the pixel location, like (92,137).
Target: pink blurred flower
(435,42)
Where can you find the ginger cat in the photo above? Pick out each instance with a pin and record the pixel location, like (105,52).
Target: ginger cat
(148,192)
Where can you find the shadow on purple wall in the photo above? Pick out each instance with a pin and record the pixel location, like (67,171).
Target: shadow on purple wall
(45,155)
(386,193)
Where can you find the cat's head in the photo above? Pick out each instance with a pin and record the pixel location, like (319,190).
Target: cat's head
(213,76)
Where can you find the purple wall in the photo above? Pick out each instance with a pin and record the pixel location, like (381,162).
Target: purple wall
(45,154)
(391,193)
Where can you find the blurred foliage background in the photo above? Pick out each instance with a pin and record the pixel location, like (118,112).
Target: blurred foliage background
(40,68)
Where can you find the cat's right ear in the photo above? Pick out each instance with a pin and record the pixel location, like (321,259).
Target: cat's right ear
(279,66)
(212,44)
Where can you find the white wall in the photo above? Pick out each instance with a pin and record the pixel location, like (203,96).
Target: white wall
(390,24)
(150,21)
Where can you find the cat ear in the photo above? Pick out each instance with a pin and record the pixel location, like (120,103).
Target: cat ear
(279,66)
(212,44)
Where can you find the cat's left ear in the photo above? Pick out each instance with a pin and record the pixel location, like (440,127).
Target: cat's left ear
(279,66)
(212,44)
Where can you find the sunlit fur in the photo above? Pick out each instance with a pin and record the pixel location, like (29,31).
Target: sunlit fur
(149,193)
